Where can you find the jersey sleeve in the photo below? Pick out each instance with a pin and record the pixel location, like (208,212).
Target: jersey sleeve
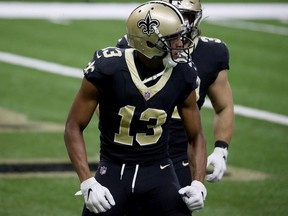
(190,77)
(92,72)
(223,56)
(123,43)
(101,66)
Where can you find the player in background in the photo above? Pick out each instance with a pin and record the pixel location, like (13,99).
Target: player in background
(136,90)
(211,57)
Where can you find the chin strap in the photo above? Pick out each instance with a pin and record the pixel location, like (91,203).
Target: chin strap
(168,61)
(154,77)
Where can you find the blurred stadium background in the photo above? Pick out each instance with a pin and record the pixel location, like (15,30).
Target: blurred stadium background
(34,106)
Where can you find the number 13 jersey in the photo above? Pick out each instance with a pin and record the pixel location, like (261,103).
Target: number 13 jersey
(134,118)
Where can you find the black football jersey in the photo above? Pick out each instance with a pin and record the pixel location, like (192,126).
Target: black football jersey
(133,120)
(210,57)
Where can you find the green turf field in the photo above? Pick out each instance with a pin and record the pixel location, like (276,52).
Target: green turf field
(256,183)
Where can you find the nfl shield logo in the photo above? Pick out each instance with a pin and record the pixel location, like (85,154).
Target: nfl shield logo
(147,95)
(103,170)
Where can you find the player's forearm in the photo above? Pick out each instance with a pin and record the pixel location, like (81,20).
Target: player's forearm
(197,157)
(77,153)
(224,125)
(80,164)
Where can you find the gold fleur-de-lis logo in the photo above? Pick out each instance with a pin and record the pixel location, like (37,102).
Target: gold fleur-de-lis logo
(89,68)
(147,24)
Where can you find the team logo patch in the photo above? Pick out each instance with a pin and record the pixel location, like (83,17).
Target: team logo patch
(103,170)
(147,24)
(89,68)
(147,95)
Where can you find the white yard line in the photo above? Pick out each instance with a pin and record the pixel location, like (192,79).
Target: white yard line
(44,66)
(255,114)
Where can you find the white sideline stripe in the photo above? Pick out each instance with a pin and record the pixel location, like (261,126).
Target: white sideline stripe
(215,13)
(44,10)
(45,66)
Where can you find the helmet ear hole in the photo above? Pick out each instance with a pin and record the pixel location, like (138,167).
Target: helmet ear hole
(150,45)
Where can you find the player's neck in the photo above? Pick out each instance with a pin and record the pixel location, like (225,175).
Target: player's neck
(156,63)
(147,68)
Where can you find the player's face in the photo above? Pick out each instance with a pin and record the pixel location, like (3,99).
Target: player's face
(186,19)
(176,45)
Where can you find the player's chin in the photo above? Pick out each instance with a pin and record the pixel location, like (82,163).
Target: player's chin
(175,54)
(175,57)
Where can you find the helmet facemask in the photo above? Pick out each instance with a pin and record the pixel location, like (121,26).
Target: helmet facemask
(164,44)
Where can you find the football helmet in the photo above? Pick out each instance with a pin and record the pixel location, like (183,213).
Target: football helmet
(192,10)
(150,27)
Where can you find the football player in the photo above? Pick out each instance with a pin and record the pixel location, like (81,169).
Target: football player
(211,57)
(136,90)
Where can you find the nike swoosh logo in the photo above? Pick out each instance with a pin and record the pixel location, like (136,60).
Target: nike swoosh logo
(184,164)
(89,191)
(164,166)
(98,56)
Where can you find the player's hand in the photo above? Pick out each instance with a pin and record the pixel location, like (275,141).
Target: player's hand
(97,197)
(218,161)
(194,195)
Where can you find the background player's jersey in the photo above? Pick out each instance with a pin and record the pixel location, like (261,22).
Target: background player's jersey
(210,57)
(128,108)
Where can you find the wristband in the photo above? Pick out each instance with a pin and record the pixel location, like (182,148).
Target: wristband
(221,144)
